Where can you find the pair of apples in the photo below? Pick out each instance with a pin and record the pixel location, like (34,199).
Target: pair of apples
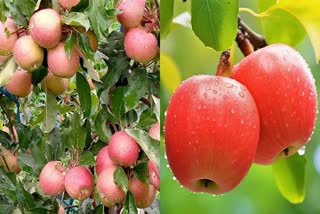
(216,127)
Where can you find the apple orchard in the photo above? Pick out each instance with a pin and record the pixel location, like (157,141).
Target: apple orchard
(79,106)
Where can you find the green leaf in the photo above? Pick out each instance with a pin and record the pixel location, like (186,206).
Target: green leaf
(141,172)
(147,118)
(117,102)
(55,148)
(28,163)
(98,210)
(289,174)
(39,74)
(50,113)
(147,144)
(84,45)
(87,159)
(77,19)
(5,205)
(69,43)
(27,7)
(81,6)
(130,205)
(7,71)
(166,11)
(156,108)
(137,88)
(215,22)
(101,125)
(25,199)
(17,14)
(7,187)
(84,93)
(121,179)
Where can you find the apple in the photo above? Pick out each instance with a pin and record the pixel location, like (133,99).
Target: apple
(3,58)
(92,40)
(56,85)
(8,37)
(52,178)
(27,53)
(211,133)
(79,183)
(285,93)
(123,149)
(104,161)
(108,191)
(46,28)
(154,131)
(20,83)
(60,64)
(140,45)
(68,4)
(154,175)
(143,193)
(9,161)
(132,12)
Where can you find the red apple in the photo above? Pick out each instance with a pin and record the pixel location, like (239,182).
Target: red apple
(132,12)
(143,193)
(9,161)
(27,53)
(79,183)
(8,37)
(154,175)
(285,93)
(52,178)
(211,133)
(104,161)
(20,83)
(68,4)
(123,149)
(56,85)
(154,131)
(60,64)
(46,28)
(140,45)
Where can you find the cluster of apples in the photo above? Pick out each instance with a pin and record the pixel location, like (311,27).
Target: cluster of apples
(45,32)
(216,127)
(78,182)
(139,43)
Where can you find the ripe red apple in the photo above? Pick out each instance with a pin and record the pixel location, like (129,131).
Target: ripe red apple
(104,161)
(154,175)
(46,28)
(132,12)
(60,64)
(56,85)
(211,133)
(20,83)
(285,93)
(79,183)
(143,193)
(108,191)
(52,178)
(9,161)
(68,4)
(140,45)
(7,36)
(154,131)
(27,53)
(123,149)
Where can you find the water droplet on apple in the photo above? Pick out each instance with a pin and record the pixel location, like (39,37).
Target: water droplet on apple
(242,88)
(205,95)
(165,113)
(208,88)
(233,111)
(229,85)
(302,93)
(168,166)
(302,150)
(241,94)
(214,91)
(174,178)
(242,122)
(287,125)
(165,157)
(199,108)
(216,83)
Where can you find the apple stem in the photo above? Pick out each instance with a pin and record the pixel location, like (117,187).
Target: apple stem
(243,43)
(224,63)
(257,40)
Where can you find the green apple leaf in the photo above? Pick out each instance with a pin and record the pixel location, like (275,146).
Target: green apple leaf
(7,71)
(121,179)
(83,89)
(140,171)
(289,174)
(166,16)
(215,22)
(130,205)
(50,113)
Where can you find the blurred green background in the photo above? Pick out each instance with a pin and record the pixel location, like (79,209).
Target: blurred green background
(184,55)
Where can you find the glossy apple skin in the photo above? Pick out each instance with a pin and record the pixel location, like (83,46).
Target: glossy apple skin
(108,191)
(132,12)
(46,28)
(285,93)
(7,43)
(60,64)
(211,133)
(123,149)
(52,178)
(143,193)
(154,131)
(140,45)
(27,53)
(104,161)
(56,85)
(154,175)
(20,83)
(79,183)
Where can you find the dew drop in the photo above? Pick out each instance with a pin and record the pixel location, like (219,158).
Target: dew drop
(302,150)
(214,91)
(302,93)
(168,166)
(208,88)
(205,95)
(174,178)
(241,94)
(242,88)
(165,113)
(165,157)
(199,108)
(229,85)
(233,111)
(242,122)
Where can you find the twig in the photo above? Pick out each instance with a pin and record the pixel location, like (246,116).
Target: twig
(224,64)
(257,40)
(146,101)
